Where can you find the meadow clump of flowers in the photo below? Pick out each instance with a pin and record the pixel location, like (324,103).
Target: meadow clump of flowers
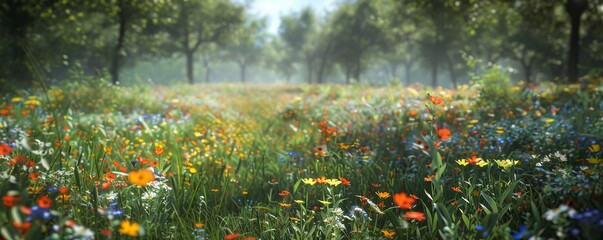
(301,162)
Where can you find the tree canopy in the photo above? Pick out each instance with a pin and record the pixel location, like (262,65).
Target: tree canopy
(359,40)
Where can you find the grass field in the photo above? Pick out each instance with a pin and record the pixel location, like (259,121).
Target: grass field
(89,160)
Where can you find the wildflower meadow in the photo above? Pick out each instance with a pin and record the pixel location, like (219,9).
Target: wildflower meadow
(89,160)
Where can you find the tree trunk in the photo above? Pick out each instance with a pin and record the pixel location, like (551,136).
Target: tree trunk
(323,61)
(357,70)
(393,68)
(527,68)
(17,21)
(407,66)
(575,9)
(451,70)
(207,69)
(243,67)
(117,57)
(434,73)
(189,66)
(347,74)
(309,69)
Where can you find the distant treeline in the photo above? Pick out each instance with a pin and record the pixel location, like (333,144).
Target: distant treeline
(61,40)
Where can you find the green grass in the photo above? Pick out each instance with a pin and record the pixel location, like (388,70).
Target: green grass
(238,159)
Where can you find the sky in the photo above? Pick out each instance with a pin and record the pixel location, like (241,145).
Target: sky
(274,9)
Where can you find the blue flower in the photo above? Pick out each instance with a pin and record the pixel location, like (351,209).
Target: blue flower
(522,231)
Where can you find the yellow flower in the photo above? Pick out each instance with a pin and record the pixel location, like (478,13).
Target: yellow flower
(593,160)
(32,101)
(594,148)
(193,170)
(17,99)
(383,195)
(333,182)
(462,162)
(506,164)
(387,234)
(309,181)
(299,201)
(285,205)
(141,177)
(324,202)
(129,228)
(482,163)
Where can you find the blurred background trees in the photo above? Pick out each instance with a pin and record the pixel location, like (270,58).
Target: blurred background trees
(167,41)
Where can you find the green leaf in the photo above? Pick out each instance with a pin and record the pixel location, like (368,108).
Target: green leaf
(466,221)
(490,201)
(443,211)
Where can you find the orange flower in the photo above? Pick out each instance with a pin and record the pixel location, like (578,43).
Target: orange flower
(383,195)
(443,133)
(11,200)
(110,176)
(141,177)
(232,236)
(64,190)
(429,178)
(412,113)
(154,163)
(5,150)
(321,180)
(456,189)
(284,193)
(403,201)
(44,202)
(419,216)
(22,227)
(435,99)
(344,181)
(129,228)
(387,234)
(159,150)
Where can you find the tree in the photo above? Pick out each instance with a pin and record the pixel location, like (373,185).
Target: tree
(358,29)
(17,18)
(298,32)
(199,22)
(247,44)
(575,9)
